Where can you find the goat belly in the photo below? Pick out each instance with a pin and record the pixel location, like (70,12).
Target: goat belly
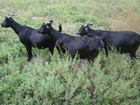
(83,53)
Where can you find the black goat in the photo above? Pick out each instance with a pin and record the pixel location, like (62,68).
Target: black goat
(123,41)
(86,47)
(29,36)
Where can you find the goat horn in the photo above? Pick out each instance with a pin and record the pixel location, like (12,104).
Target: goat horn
(52,19)
(13,15)
(47,22)
(91,23)
(85,25)
(10,15)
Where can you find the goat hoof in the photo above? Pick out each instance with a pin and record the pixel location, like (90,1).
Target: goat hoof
(28,60)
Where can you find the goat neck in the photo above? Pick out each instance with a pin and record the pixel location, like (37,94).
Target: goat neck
(54,33)
(92,33)
(16,27)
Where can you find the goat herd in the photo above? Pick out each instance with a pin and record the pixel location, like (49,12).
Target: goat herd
(88,45)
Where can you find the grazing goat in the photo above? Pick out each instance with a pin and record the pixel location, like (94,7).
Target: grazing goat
(86,47)
(29,36)
(123,41)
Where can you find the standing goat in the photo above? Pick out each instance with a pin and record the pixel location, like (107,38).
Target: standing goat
(86,47)
(123,41)
(29,36)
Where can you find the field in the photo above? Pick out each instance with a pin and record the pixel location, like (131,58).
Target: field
(56,80)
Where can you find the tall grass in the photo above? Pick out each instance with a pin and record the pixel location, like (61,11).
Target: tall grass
(129,21)
(58,79)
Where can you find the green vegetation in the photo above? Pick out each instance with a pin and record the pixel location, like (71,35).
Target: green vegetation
(58,80)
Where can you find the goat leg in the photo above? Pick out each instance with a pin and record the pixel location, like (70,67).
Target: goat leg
(29,51)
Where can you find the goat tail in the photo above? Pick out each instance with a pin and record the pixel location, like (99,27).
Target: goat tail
(60,28)
(139,38)
(102,43)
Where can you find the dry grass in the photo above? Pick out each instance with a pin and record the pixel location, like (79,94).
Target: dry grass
(128,22)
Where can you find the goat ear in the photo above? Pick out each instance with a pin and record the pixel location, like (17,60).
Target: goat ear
(48,25)
(86,28)
(13,15)
(9,15)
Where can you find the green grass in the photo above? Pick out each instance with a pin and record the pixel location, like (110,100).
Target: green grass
(60,80)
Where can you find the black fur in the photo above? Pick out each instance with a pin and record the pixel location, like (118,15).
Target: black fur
(86,47)
(30,37)
(123,41)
